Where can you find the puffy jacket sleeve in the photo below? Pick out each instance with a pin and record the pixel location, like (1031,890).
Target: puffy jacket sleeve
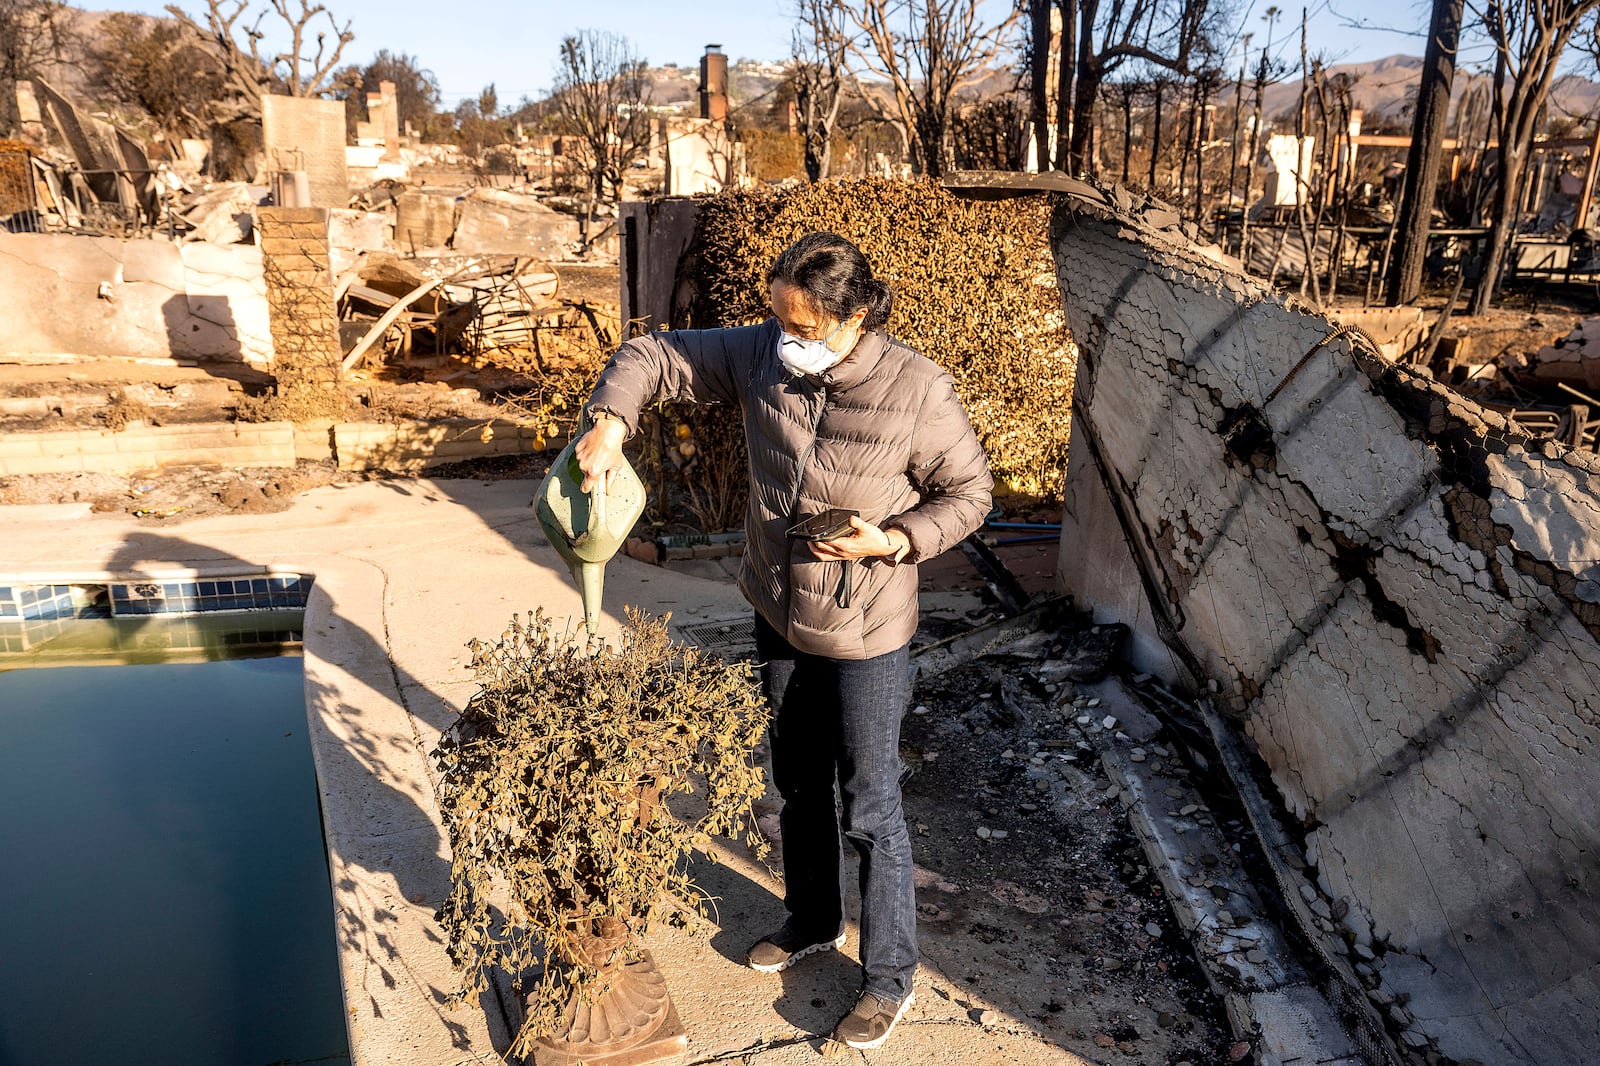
(949,468)
(697,366)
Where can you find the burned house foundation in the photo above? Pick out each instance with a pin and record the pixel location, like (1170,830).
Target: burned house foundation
(1392,592)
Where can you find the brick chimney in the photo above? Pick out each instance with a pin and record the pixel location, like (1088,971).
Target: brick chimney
(714,83)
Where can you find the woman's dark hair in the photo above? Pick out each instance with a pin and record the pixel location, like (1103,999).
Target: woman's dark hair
(835,274)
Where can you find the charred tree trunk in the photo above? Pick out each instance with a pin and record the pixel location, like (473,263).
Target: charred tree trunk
(1066,78)
(1127,131)
(1186,152)
(1039,77)
(1233,139)
(1250,160)
(1502,223)
(1426,153)
(1159,87)
(1085,91)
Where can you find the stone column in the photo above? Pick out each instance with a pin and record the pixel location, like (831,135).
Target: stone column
(304,321)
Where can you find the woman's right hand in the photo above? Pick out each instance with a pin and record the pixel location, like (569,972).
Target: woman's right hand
(599,452)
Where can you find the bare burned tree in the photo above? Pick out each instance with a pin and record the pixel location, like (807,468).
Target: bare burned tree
(1529,37)
(1039,42)
(1050,106)
(602,95)
(1158,87)
(34,36)
(1267,71)
(305,72)
(817,73)
(1426,154)
(248,73)
(246,76)
(1123,93)
(991,134)
(928,51)
(1202,88)
(1167,34)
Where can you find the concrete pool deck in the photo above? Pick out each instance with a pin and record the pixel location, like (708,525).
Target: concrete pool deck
(406,573)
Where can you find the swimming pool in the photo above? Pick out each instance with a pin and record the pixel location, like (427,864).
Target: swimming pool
(166,895)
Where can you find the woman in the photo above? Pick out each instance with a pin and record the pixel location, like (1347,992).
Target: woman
(837,414)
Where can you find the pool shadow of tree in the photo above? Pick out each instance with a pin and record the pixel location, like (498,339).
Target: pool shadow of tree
(390,834)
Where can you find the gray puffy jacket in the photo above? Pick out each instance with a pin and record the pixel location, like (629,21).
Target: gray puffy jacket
(881,432)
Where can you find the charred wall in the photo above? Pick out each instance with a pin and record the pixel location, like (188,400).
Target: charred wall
(1392,592)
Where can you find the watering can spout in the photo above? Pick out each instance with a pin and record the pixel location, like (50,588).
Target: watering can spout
(591,578)
(587,528)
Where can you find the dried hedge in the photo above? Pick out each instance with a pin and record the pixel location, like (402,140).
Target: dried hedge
(975,290)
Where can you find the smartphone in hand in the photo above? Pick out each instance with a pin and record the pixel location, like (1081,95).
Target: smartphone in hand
(829,525)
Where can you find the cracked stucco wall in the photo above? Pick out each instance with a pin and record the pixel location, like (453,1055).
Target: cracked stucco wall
(1393,593)
(63,294)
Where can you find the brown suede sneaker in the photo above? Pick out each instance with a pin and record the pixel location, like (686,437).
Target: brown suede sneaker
(783,949)
(871,1022)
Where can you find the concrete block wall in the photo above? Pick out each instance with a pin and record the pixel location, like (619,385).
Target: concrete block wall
(139,299)
(307,133)
(1396,596)
(305,322)
(414,446)
(148,448)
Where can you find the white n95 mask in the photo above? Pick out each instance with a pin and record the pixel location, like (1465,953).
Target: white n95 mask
(801,356)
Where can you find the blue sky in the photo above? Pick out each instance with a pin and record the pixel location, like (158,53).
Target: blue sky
(470,43)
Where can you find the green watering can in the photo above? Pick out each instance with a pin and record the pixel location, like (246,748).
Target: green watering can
(587,529)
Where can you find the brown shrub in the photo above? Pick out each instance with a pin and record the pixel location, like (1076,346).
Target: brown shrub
(975,291)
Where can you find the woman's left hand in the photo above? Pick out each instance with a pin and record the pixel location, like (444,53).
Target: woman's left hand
(865,541)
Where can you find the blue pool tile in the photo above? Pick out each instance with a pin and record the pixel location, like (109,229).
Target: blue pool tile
(259,586)
(188,588)
(208,588)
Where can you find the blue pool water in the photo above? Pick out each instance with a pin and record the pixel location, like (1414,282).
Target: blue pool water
(164,891)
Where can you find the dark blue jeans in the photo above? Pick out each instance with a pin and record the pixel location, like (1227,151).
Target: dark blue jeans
(839,720)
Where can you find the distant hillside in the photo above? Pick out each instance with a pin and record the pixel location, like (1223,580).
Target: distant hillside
(1387,88)
(748,80)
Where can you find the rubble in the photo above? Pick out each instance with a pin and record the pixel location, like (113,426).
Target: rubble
(497,222)
(1574,360)
(222,214)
